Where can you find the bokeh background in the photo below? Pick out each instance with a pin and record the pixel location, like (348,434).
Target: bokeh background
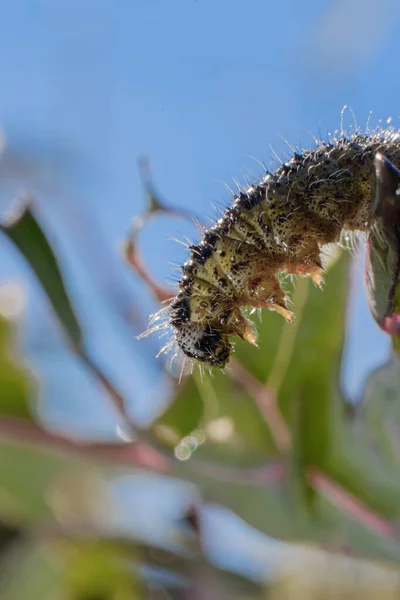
(199,87)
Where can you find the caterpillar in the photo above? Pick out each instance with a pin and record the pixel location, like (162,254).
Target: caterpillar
(278,225)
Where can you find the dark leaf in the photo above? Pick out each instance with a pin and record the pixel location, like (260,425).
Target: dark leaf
(24,231)
(383,248)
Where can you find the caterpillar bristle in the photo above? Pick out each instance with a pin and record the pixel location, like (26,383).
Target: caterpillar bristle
(278,159)
(259,162)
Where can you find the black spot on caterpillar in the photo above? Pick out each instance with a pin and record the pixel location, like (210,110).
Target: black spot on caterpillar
(275,226)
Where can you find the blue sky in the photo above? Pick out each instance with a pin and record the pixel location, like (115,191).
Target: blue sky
(197,85)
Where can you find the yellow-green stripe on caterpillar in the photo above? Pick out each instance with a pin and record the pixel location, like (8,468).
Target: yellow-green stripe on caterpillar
(277,225)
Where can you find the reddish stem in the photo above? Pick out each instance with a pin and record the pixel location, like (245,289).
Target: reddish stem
(347,502)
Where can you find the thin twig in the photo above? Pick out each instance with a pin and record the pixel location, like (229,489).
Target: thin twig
(134,453)
(132,257)
(353,506)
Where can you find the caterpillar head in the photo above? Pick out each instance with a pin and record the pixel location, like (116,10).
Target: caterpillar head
(204,343)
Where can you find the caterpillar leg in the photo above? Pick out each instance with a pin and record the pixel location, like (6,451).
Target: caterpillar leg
(282,310)
(267,293)
(315,272)
(243,328)
(308,264)
(278,307)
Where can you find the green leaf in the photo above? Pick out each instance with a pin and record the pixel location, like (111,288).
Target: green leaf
(15,387)
(356,467)
(379,412)
(270,329)
(95,569)
(227,416)
(177,416)
(30,571)
(236,433)
(366,455)
(74,570)
(269,507)
(308,573)
(310,394)
(25,232)
(309,383)
(27,474)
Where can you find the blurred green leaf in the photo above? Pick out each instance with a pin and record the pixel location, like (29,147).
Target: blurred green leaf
(25,232)
(379,411)
(324,436)
(74,570)
(271,508)
(26,476)
(357,468)
(311,574)
(365,458)
(31,571)
(236,434)
(225,414)
(99,570)
(308,382)
(270,328)
(177,415)
(309,395)
(15,387)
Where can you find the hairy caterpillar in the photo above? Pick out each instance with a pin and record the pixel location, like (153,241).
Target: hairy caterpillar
(275,226)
